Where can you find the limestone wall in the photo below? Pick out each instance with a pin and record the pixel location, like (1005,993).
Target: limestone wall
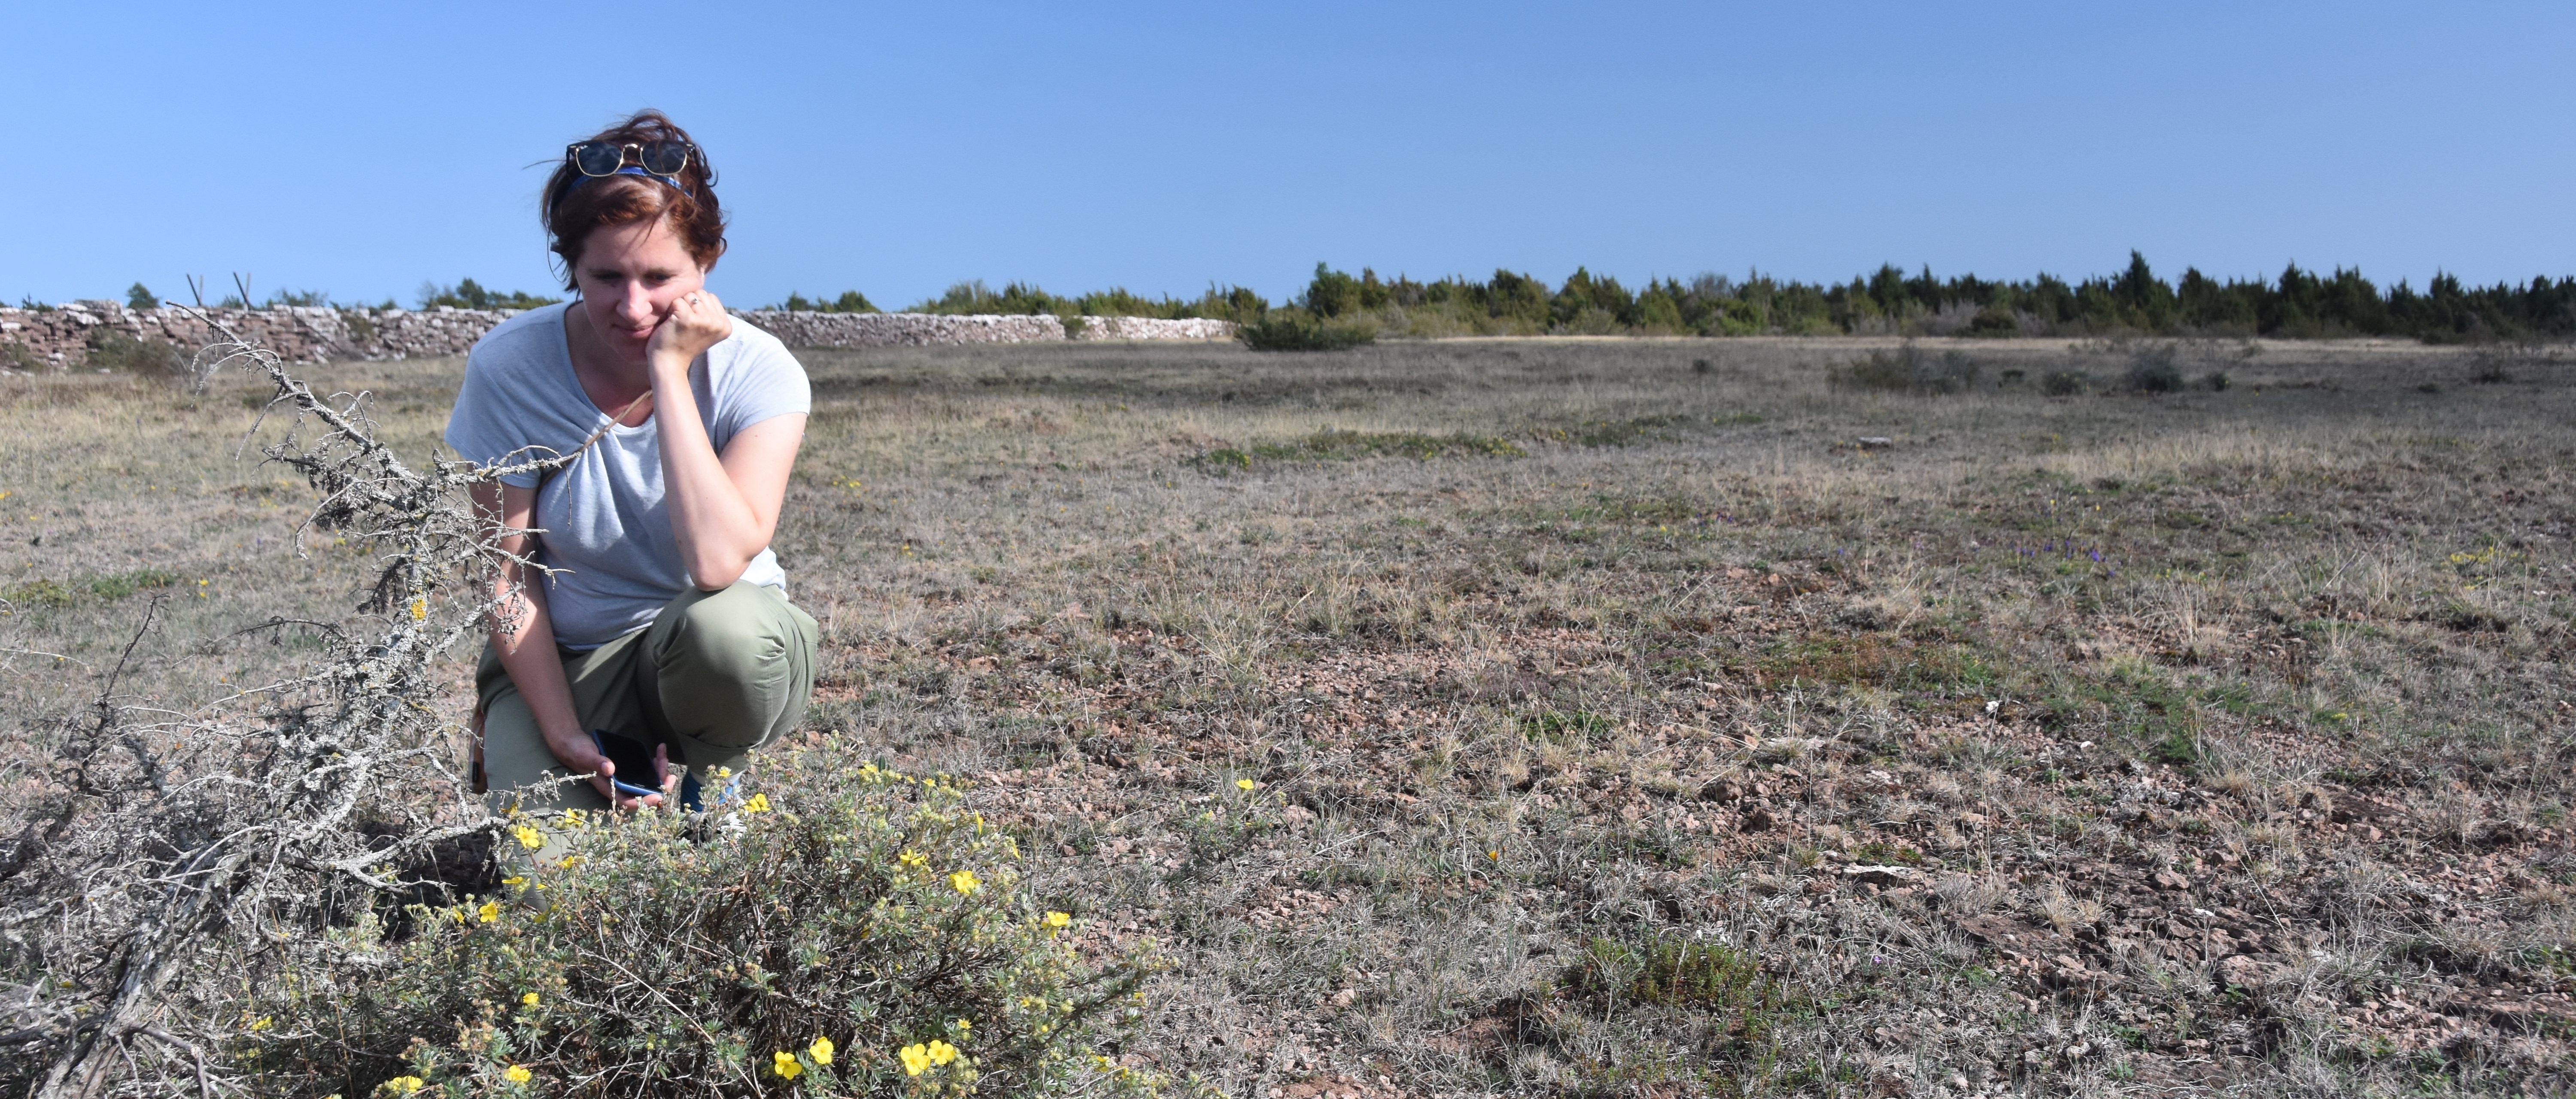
(1154,328)
(900,329)
(916,329)
(60,338)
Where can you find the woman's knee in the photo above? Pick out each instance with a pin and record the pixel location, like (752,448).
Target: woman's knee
(746,629)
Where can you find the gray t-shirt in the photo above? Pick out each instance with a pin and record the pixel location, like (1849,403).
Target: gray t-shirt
(604,519)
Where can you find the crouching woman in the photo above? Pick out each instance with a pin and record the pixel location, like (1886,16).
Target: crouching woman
(659,631)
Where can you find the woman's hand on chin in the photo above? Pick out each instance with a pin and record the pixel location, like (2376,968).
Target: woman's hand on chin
(697,322)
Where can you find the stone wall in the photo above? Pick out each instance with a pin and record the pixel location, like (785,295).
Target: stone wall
(60,338)
(1153,328)
(900,329)
(917,329)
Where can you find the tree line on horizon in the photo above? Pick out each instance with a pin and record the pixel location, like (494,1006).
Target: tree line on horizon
(2299,304)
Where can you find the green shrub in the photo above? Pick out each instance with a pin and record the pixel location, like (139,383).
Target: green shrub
(139,296)
(973,298)
(1731,317)
(2062,383)
(2217,381)
(847,905)
(1332,293)
(1233,303)
(1296,330)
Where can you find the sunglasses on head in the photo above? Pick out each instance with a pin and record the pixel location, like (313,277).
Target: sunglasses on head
(604,158)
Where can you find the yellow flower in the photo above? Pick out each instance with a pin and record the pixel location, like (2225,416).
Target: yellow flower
(529,838)
(573,818)
(913,859)
(759,803)
(1059,919)
(516,1074)
(404,1085)
(964,881)
(530,999)
(262,1023)
(965,1024)
(419,609)
(916,1059)
(514,879)
(820,1051)
(1244,784)
(784,1064)
(941,1052)
(490,911)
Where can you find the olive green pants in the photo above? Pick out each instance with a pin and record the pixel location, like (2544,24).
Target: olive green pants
(717,675)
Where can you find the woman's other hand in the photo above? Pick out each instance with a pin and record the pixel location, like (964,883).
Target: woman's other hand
(582,757)
(697,321)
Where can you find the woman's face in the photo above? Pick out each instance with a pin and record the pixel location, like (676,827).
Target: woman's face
(629,275)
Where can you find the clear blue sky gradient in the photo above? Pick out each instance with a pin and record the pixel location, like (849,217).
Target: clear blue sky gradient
(1162,147)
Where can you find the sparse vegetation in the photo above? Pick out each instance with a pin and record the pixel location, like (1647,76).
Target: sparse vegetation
(856,929)
(2207,743)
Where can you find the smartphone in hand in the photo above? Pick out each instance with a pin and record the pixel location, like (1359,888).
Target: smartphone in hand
(632,757)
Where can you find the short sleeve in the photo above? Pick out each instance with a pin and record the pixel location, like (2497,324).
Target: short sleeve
(479,429)
(765,382)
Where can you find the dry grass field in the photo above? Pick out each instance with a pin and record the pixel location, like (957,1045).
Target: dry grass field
(1607,717)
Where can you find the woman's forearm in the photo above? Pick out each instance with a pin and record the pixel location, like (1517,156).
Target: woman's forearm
(718,529)
(524,634)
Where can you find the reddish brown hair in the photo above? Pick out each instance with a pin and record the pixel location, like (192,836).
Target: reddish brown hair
(575,204)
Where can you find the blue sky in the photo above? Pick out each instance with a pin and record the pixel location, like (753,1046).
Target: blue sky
(1162,147)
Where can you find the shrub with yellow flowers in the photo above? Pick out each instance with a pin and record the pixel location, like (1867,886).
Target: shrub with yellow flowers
(847,930)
